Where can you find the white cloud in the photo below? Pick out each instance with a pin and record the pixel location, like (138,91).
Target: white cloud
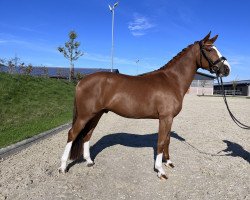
(139,25)
(134,33)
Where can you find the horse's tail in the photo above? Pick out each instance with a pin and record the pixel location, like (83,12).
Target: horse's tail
(74,112)
(77,145)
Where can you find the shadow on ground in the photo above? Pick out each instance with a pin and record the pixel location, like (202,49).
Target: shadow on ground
(129,140)
(236,150)
(150,140)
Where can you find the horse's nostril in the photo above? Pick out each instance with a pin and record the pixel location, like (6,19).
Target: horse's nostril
(226,70)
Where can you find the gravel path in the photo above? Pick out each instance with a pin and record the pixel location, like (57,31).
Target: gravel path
(210,153)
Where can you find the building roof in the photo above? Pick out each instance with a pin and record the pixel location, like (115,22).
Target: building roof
(241,82)
(61,72)
(207,75)
(64,72)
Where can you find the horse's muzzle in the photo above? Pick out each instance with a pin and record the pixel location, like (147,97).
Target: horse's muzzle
(222,70)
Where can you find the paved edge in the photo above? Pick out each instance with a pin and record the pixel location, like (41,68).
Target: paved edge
(19,146)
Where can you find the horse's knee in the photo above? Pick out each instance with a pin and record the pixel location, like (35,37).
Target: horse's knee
(160,146)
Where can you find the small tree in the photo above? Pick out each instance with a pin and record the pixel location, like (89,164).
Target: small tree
(28,69)
(71,52)
(2,62)
(11,66)
(22,67)
(203,84)
(79,76)
(234,82)
(45,71)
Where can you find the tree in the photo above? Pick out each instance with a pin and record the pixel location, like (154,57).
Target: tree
(203,84)
(11,66)
(234,82)
(71,52)
(45,71)
(2,63)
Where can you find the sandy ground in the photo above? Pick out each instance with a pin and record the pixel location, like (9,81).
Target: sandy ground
(210,153)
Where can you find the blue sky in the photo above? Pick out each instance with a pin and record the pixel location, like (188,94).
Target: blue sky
(151,31)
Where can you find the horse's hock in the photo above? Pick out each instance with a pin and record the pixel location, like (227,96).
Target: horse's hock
(211,156)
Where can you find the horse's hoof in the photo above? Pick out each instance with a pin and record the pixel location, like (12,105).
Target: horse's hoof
(61,171)
(162,176)
(90,164)
(169,164)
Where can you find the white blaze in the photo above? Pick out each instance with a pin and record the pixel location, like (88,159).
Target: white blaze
(219,54)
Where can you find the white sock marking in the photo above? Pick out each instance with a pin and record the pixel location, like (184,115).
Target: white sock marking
(158,164)
(86,153)
(65,156)
(169,162)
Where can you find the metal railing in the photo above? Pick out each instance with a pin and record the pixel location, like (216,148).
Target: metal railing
(229,92)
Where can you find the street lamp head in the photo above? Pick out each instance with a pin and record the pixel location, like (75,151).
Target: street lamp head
(116,4)
(110,8)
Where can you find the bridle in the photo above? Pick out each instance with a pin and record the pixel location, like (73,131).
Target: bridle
(213,65)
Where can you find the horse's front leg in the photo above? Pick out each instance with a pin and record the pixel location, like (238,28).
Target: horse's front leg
(164,132)
(166,158)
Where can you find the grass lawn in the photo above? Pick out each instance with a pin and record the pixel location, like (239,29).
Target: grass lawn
(31,105)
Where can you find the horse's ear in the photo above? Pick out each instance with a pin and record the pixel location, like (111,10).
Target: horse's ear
(212,40)
(205,39)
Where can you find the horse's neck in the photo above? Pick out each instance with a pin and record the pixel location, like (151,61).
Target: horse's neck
(184,70)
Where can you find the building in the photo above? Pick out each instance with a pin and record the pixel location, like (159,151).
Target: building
(55,72)
(63,73)
(234,88)
(203,84)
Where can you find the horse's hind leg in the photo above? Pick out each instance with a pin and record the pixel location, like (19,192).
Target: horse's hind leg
(89,130)
(72,135)
(65,157)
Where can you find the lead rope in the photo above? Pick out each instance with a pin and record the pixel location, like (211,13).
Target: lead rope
(236,121)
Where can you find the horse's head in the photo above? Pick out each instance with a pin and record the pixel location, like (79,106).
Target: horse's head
(211,59)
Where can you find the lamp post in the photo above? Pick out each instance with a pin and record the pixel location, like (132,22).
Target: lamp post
(137,61)
(112,9)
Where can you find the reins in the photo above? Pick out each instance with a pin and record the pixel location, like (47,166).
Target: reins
(213,69)
(236,121)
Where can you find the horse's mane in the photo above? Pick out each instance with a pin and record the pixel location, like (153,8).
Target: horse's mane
(173,60)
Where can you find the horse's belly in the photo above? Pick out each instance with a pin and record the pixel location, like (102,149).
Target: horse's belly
(134,109)
(136,115)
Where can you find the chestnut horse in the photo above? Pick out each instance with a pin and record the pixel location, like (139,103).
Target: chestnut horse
(155,95)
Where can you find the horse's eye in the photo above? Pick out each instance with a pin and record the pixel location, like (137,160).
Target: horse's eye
(209,49)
